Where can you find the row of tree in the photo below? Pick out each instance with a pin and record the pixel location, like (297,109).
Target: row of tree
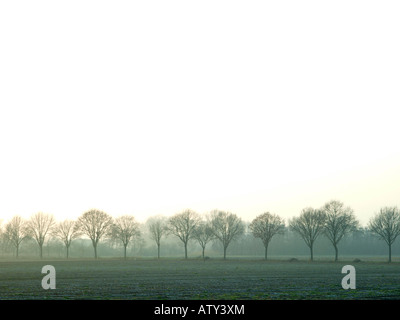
(334,221)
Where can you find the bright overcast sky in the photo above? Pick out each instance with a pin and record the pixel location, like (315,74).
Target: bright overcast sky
(152,107)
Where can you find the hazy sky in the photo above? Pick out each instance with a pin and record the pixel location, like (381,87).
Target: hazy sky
(151,107)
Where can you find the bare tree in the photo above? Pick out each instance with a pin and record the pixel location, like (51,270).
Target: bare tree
(386,224)
(309,225)
(15,232)
(182,226)
(265,226)
(158,229)
(95,224)
(226,227)
(339,221)
(4,241)
(39,226)
(203,233)
(125,228)
(66,231)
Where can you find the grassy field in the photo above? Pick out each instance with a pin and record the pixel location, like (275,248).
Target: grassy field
(197,279)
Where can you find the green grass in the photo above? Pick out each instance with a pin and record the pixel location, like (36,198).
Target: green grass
(195,279)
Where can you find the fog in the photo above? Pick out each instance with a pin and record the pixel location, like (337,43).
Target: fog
(247,107)
(361,244)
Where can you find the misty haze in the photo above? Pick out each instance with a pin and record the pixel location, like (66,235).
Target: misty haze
(208,150)
(211,256)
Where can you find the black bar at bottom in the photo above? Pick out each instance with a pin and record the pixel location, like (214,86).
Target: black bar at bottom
(197,309)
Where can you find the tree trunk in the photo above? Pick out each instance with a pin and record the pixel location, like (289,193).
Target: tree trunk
(16,254)
(390,252)
(225,252)
(312,254)
(185,250)
(67,252)
(41,251)
(266,251)
(203,253)
(95,250)
(158,251)
(125,251)
(336,252)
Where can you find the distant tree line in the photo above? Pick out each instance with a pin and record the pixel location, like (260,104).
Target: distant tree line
(333,221)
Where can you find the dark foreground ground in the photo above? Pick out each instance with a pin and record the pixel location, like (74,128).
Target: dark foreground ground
(195,279)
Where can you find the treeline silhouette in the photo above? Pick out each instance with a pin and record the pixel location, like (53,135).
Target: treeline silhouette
(325,232)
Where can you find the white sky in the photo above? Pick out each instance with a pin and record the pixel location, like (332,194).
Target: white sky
(151,107)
